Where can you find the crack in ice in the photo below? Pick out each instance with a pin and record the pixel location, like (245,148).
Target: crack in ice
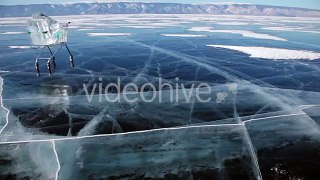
(252,152)
(1,103)
(286,115)
(106,135)
(57,158)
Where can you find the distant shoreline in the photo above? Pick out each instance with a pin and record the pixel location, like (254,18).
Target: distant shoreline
(155,8)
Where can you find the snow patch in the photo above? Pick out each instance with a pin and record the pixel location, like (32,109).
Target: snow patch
(200,29)
(244,33)
(22,47)
(233,23)
(183,35)
(12,33)
(293,29)
(272,53)
(143,27)
(108,34)
(88,29)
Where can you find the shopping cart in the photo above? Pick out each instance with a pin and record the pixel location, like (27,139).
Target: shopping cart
(45,32)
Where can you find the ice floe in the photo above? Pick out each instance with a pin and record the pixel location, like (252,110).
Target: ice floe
(183,35)
(108,34)
(272,53)
(244,33)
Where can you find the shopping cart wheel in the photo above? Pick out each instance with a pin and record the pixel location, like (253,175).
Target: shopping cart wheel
(37,69)
(49,67)
(71,61)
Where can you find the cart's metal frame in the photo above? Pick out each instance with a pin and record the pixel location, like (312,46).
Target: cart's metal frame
(51,61)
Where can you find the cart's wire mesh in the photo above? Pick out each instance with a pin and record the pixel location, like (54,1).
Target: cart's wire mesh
(44,30)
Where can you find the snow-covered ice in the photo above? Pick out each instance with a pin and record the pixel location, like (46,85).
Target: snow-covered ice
(108,34)
(183,35)
(249,34)
(291,29)
(13,33)
(272,53)
(233,23)
(22,47)
(87,29)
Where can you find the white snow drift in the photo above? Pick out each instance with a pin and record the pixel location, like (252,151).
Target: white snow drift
(292,29)
(108,34)
(244,33)
(183,35)
(233,23)
(22,47)
(12,33)
(272,53)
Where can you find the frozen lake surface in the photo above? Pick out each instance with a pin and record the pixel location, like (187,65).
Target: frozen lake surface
(262,121)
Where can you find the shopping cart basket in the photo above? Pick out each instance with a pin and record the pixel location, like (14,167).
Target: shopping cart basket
(46,32)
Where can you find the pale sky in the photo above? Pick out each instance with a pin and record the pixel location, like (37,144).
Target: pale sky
(313,4)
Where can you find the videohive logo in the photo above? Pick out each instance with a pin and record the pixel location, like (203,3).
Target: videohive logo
(162,92)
